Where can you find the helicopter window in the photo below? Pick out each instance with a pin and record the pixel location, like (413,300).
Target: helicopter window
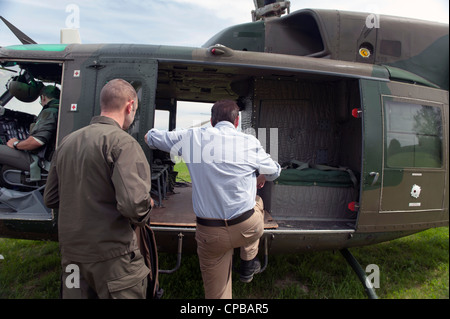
(414,135)
(15,104)
(19,101)
(162,119)
(192,114)
(392,48)
(133,130)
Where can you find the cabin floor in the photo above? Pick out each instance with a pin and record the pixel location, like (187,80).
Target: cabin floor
(177,211)
(16,205)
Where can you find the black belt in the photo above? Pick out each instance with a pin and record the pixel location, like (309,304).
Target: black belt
(225,222)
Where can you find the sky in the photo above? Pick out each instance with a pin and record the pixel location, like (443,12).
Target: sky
(171,22)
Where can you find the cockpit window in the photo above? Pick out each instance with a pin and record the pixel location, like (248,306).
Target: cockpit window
(6,75)
(17,77)
(20,88)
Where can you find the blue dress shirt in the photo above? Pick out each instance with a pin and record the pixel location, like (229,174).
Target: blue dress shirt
(222,163)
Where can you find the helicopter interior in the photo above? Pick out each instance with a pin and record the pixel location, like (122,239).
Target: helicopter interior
(304,121)
(21,194)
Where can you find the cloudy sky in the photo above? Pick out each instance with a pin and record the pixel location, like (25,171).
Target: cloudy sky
(169,22)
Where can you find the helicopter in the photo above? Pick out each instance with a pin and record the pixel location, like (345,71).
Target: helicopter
(354,106)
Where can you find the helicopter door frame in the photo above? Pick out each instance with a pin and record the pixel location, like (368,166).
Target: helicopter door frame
(401,197)
(371,155)
(145,72)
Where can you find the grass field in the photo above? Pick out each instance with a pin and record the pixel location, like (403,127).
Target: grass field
(413,267)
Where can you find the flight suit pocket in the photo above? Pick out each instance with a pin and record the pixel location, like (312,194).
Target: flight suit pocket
(133,285)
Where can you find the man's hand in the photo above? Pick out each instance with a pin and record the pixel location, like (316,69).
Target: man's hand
(260,181)
(10,143)
(29,144)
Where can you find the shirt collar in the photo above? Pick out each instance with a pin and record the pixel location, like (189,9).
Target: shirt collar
(224,124)
(52,103)
(104,120)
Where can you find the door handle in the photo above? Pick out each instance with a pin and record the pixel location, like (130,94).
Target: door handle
(375,176)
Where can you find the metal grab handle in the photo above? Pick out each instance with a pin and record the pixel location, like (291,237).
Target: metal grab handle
(375,179)
(179,251)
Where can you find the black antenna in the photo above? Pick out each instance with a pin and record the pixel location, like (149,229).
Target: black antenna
(19,34)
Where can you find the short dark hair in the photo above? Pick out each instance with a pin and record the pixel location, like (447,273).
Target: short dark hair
(51,91)
(225,110)
(115,94)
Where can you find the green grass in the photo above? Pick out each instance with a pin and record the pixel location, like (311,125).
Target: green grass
(30,269)
(183,172)
(413,267)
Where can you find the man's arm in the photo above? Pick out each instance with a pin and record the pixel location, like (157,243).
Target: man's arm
(260,181)
(165,140)
(271,171)
(44,130)
(41,134)
(25,145)
(132,181)
(51,194)
(266,165)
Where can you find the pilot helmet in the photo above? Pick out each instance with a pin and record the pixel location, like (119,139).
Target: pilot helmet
(25,91)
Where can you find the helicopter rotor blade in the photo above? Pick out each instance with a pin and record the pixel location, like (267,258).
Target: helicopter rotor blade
(19,34)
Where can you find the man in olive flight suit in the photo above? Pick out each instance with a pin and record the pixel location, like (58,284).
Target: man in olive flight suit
(100,180)
(17,153)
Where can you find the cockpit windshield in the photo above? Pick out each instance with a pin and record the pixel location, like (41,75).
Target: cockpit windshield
(20,84)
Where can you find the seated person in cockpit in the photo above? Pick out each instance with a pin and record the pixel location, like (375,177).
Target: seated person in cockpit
(18,153)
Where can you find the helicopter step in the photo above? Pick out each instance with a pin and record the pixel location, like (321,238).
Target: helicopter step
(265,240)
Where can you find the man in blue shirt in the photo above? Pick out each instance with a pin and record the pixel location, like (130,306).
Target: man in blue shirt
(223,164)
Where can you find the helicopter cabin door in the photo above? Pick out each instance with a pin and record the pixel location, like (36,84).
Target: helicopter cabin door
(405,157)
(142,75)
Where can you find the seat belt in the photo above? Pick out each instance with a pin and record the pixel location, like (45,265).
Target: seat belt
(35,169)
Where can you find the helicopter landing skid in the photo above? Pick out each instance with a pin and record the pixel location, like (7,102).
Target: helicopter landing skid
(370,291)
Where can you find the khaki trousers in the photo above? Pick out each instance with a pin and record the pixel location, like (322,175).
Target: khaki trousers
(215,247)
(123,277)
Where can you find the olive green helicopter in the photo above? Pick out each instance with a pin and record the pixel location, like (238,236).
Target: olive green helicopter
(354,106)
